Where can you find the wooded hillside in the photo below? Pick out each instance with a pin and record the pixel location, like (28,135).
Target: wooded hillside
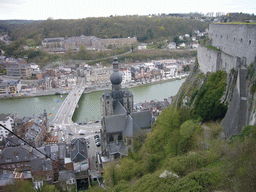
(143,27)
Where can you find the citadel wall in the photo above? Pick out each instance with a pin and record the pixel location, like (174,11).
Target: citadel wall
(238,40)
(236,47)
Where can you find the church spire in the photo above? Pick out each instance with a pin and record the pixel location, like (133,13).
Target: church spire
(116,76)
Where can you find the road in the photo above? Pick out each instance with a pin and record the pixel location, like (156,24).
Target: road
(63,125)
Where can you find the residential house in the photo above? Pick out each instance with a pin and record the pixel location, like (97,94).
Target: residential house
(142,46)
(35,135)
(98,75)
(17,69)
(42,168)
(71,80)
(15,157)
(126,75)
(79,157)
(140,72)
(37,130)
(171,45)
(34,67)
(7,120)
(10,86)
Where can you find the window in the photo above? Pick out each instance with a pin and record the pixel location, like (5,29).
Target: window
(221,36)
(241,40)
(250,42)
(111,138)
(234,38)
(227,37)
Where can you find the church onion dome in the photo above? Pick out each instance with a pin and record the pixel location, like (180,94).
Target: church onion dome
(116,78)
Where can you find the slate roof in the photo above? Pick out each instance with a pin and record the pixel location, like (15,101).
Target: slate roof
(119,109)
(41,164)
(4,116)
(115,148)
(142,119)
(15,155)
(128,130)
(66,175)
(78,150)
(115,123)
(6,178)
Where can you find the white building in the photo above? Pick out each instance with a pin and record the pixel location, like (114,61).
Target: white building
(72,80)
(151,66)
(126,76)
(142,46)
(34,67)
(7,121)
(171,45)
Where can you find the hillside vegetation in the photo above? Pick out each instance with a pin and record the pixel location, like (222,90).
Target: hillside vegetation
(143,27)
(183,154)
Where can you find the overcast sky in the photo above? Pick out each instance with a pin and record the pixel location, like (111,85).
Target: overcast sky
(75,9)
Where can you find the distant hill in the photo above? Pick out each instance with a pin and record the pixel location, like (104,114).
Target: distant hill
(145,28)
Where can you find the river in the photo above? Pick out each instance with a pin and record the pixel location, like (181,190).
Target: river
(89,104)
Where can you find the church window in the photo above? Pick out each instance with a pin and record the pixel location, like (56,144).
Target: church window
(111,138)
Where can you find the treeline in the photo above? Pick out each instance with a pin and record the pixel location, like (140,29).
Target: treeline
(143,27)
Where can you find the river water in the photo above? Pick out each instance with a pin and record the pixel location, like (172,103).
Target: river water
(89,104)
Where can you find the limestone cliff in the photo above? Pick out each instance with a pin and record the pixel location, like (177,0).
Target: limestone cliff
(239,96)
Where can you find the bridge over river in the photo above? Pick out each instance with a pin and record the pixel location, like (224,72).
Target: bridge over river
(65,128)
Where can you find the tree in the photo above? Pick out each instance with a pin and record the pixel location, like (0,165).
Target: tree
(19,186)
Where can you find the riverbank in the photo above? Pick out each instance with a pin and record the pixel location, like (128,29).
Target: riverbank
(132,85)
(65,91)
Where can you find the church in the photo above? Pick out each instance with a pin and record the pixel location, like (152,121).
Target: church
(120,123)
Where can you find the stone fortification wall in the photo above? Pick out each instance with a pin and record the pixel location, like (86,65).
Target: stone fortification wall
(211,60)
(238,40)
(237,115)
(228,62)
(207,59)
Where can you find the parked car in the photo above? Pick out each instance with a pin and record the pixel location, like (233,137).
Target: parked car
(96,136)
(97,140)
(81,133)
(98,144)
(71,133)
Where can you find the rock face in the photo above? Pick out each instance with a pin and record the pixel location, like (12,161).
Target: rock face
(241,102)
(229,49)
